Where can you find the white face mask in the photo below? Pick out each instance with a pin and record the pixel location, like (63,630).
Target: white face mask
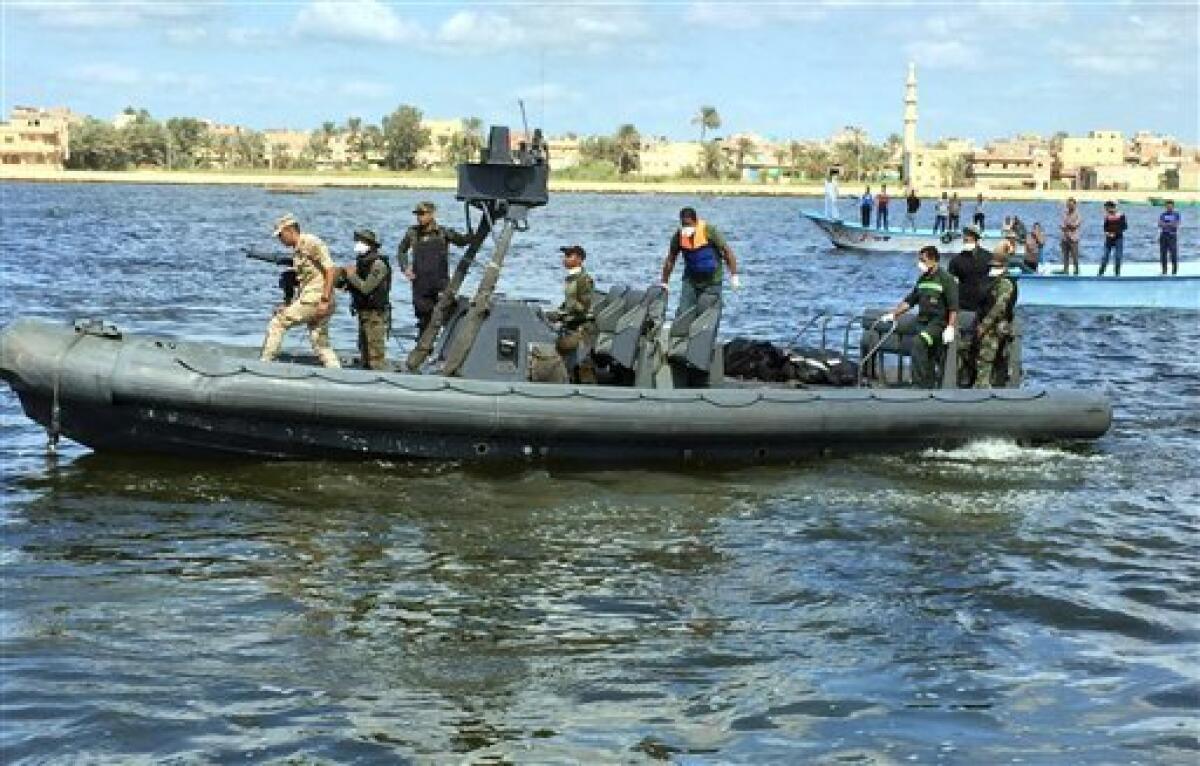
(921,267)
(361,248)
(995,271)
(688,231)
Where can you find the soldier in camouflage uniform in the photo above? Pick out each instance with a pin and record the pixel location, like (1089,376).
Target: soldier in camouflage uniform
(369,282)
(313,304)
(577,328)
(993,325)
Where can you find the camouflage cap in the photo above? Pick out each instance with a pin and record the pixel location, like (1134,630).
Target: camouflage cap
(284,221)
(368,236)
(425,207)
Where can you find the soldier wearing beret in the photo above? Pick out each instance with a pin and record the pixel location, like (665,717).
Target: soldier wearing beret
(429,269)
(369,282)
(313,304)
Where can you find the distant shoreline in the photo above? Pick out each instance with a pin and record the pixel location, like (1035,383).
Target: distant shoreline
(365,180)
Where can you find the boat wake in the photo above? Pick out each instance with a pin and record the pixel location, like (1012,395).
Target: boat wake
(1004,451)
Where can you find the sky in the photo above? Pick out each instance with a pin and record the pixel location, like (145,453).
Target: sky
(780,69)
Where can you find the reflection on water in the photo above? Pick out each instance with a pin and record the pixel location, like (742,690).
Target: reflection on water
(977,605)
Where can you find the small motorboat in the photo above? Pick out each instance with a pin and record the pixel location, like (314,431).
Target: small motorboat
(289,189)
(852,236)
(1141,286)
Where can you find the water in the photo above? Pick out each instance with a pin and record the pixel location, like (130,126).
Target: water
(988,604)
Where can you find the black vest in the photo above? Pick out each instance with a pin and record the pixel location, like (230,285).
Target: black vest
(430,258)
(378,299)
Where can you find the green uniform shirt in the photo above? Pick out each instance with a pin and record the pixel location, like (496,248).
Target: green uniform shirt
(375,276)
(717,240)
(578,294)
(935,296)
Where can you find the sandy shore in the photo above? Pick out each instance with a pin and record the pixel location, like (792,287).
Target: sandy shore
(405,181)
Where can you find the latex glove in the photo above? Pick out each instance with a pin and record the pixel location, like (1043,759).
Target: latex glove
(887,318)
(664,285)
(948,335)
(735,282)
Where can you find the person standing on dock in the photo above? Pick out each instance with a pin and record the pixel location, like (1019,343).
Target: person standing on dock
(369,282)
(429,270)
(831,196)
(977,214)
(1168,238)
(1114,237)
(882,200)
(865,203)
(912,203)
(936,297)
(313,305)
(704,251)
(954,211)
(941,213)
(1071,224)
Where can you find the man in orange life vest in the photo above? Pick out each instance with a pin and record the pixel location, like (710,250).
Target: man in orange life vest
(704,251)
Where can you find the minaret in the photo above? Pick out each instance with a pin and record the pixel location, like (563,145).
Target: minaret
(910,121)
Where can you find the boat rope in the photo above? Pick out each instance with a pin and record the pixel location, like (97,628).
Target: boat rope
(54,429)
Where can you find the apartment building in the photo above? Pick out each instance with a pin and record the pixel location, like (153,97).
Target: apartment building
(36,137)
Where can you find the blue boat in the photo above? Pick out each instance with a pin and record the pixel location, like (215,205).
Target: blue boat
(1140,286)
(852,236)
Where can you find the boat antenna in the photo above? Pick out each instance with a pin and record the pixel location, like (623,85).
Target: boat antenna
(524,121)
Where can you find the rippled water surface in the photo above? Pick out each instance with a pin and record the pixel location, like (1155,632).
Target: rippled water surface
(990,604)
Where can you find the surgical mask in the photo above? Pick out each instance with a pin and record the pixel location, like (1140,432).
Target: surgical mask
(688,231)
(361,248)
(995,271)
(921,267)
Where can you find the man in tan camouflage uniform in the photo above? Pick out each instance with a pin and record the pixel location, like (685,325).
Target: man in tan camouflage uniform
(313,304)
(575,315)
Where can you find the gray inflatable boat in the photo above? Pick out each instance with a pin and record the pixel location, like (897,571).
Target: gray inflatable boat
(143,394)
(480,383)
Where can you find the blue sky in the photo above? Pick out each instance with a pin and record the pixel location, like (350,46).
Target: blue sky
(782,69)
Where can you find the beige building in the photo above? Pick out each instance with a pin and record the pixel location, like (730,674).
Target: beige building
(564,152)
(930,166)
(284,146)
(36,137)
(1099,147)
(667,159)
(1011,167)
(441,133)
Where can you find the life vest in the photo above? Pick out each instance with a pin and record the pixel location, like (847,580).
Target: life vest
(378,299)
(699,255)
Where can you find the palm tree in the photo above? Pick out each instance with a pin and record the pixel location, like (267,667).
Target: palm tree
(354,142)
(744,147)
(712,160)
(708,119)
(629,149)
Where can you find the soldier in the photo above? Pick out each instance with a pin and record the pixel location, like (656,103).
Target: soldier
(429,270)
(577,325)
(315,277)
(704,250)
(369,281)
(993,328)
(936,297)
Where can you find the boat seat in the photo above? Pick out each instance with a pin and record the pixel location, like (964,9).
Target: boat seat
(692,343)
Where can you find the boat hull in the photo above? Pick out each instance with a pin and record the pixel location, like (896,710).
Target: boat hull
(854,237)
(1141,285)
(162,396)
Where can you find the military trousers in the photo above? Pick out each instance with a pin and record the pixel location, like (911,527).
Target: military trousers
(926,353)
(990,345)
(318,332)
(690,293)
(372,338)
(575,347)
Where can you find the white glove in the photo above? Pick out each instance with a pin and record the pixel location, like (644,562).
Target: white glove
(948,335)
(735,281)
(887,318)
(664,285)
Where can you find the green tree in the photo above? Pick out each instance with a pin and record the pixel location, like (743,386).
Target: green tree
(249,149)
(713,162)
(354,141)
(953,170)
(598,149)
(708,119)
(186,137)
(96,145)
(627,144)
(145,140)
(404,137)
(744,148)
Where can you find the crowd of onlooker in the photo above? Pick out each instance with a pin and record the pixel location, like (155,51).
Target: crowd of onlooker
(947,223)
